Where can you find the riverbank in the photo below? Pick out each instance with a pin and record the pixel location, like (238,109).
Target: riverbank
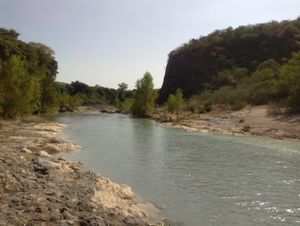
(256,121)
(40,187)
(248,121)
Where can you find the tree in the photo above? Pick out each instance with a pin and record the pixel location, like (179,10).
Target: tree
(289,84)
(79,88)
(19,91)
(145,96)
(122,91)
(175,102)
(122,86)
(261,85)
(10,33)
(46,67)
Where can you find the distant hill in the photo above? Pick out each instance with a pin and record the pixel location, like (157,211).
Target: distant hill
(198,64)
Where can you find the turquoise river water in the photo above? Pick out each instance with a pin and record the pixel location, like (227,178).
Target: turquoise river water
(195,178)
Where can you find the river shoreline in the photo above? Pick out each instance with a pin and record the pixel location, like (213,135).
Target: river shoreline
(251,121)
(41,187)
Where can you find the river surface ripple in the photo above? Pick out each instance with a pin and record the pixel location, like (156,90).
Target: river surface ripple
(196,179)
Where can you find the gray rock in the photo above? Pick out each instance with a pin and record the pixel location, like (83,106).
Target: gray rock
(40,167)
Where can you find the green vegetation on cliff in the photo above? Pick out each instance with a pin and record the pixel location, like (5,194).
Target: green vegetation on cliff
(254,64)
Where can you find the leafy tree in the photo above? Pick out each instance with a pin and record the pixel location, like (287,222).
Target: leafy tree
(289,84)
(79,88)
(19,90)
(49,98)
(30,65)
(260,87)
(145,96)
(122,91)
(228,77)
(10,33)
(46,67)
(175,102)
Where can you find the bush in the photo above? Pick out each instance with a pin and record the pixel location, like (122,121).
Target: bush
(232,97)
(200,103)
(175,102)
(205,107)
(126,105)
(290,82)
(164,117)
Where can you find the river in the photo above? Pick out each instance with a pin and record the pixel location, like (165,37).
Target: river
(195,178)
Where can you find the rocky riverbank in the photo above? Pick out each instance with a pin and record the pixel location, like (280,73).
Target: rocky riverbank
(257,121)
(40,187)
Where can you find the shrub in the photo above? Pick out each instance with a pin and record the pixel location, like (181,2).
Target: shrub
(175,102)
(205,107)
(200,103)
(126,105)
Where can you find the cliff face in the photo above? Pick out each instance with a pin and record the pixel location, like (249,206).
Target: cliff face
(193,65)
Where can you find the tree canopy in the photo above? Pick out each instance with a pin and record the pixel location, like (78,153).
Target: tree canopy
(27,75)
(145,96)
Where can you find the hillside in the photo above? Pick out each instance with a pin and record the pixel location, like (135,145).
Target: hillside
(201,63)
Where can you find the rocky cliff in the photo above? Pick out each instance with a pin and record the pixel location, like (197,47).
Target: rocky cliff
(194,65)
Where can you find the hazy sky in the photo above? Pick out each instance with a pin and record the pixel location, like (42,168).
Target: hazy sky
(106,42)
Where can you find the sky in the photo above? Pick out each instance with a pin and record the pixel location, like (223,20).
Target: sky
(107,42)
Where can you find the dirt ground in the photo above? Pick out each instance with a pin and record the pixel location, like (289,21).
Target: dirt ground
(250,120)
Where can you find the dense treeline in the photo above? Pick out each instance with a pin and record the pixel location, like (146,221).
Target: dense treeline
(234,67)
(27,75)
(78,93)
(27,81)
